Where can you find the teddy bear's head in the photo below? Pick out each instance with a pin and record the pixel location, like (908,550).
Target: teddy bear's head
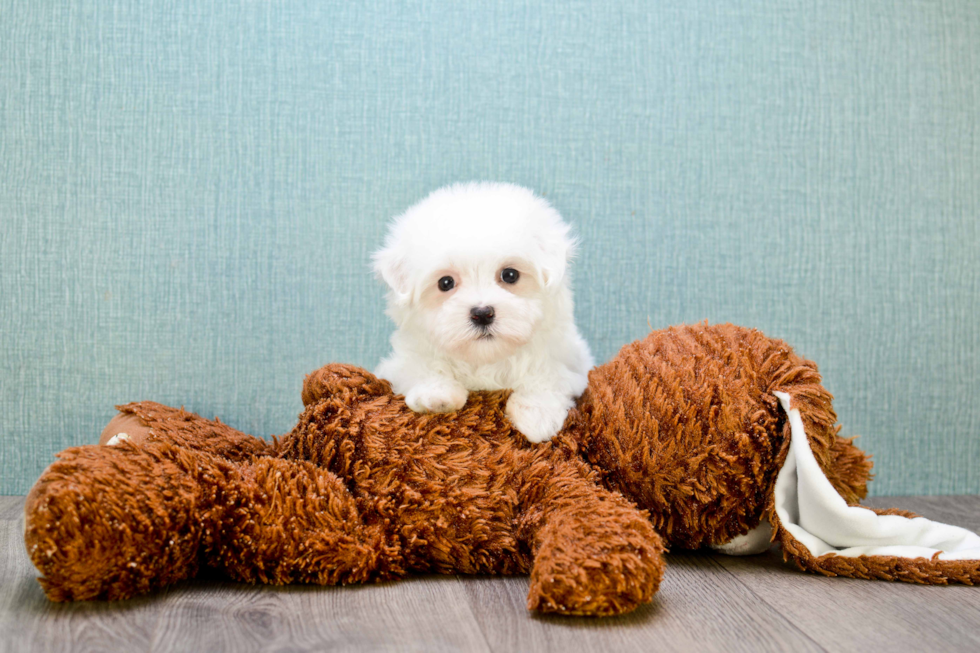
(681,423)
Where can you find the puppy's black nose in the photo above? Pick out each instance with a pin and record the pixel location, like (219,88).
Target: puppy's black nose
(481,315)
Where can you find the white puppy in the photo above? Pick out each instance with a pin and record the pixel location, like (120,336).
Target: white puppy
(479,289)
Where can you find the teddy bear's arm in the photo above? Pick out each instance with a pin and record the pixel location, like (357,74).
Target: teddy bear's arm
(346,381)
(594,552)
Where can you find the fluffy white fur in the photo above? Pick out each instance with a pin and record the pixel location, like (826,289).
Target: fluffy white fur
(471,233)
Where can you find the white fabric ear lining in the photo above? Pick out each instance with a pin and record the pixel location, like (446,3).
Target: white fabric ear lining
(814,513)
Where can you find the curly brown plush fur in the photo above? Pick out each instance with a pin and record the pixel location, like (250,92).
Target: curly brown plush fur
(676,441)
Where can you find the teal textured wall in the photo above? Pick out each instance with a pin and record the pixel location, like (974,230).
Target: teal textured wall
(190,191)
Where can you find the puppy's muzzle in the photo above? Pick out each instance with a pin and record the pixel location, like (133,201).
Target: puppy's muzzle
(481,316)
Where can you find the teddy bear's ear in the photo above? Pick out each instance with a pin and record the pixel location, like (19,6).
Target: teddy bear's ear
(337,378)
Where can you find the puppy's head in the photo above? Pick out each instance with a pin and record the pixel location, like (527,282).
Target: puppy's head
(476,268)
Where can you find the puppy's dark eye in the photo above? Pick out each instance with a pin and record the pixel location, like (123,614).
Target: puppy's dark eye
(509,275)
(446,284)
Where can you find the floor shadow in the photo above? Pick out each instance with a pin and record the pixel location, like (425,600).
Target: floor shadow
(638,617)
(32,601)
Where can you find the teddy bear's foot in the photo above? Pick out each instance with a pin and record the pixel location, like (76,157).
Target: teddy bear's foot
(147,421)
(124,426)
(113,522)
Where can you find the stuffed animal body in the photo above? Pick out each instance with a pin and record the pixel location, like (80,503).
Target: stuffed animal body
(694,436)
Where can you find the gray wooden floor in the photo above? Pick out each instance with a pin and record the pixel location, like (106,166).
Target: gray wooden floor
(706,603)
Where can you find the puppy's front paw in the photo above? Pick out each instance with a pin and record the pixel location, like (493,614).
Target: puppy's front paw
(539,416)
(440,396)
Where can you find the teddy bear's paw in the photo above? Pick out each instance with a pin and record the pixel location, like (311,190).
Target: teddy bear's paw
(540,415)
(598,555)
(437,396)
(614,586)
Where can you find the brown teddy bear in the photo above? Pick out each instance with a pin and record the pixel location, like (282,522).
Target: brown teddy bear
(695,436)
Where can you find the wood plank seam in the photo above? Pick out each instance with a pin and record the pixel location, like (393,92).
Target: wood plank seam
(791,625)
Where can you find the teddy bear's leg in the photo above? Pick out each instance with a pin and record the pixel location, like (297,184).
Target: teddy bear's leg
(594,552)
(149,421)
(296,522)
(115,522)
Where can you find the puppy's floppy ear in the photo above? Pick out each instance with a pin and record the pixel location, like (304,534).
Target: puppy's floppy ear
(391,267)
(556,252)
